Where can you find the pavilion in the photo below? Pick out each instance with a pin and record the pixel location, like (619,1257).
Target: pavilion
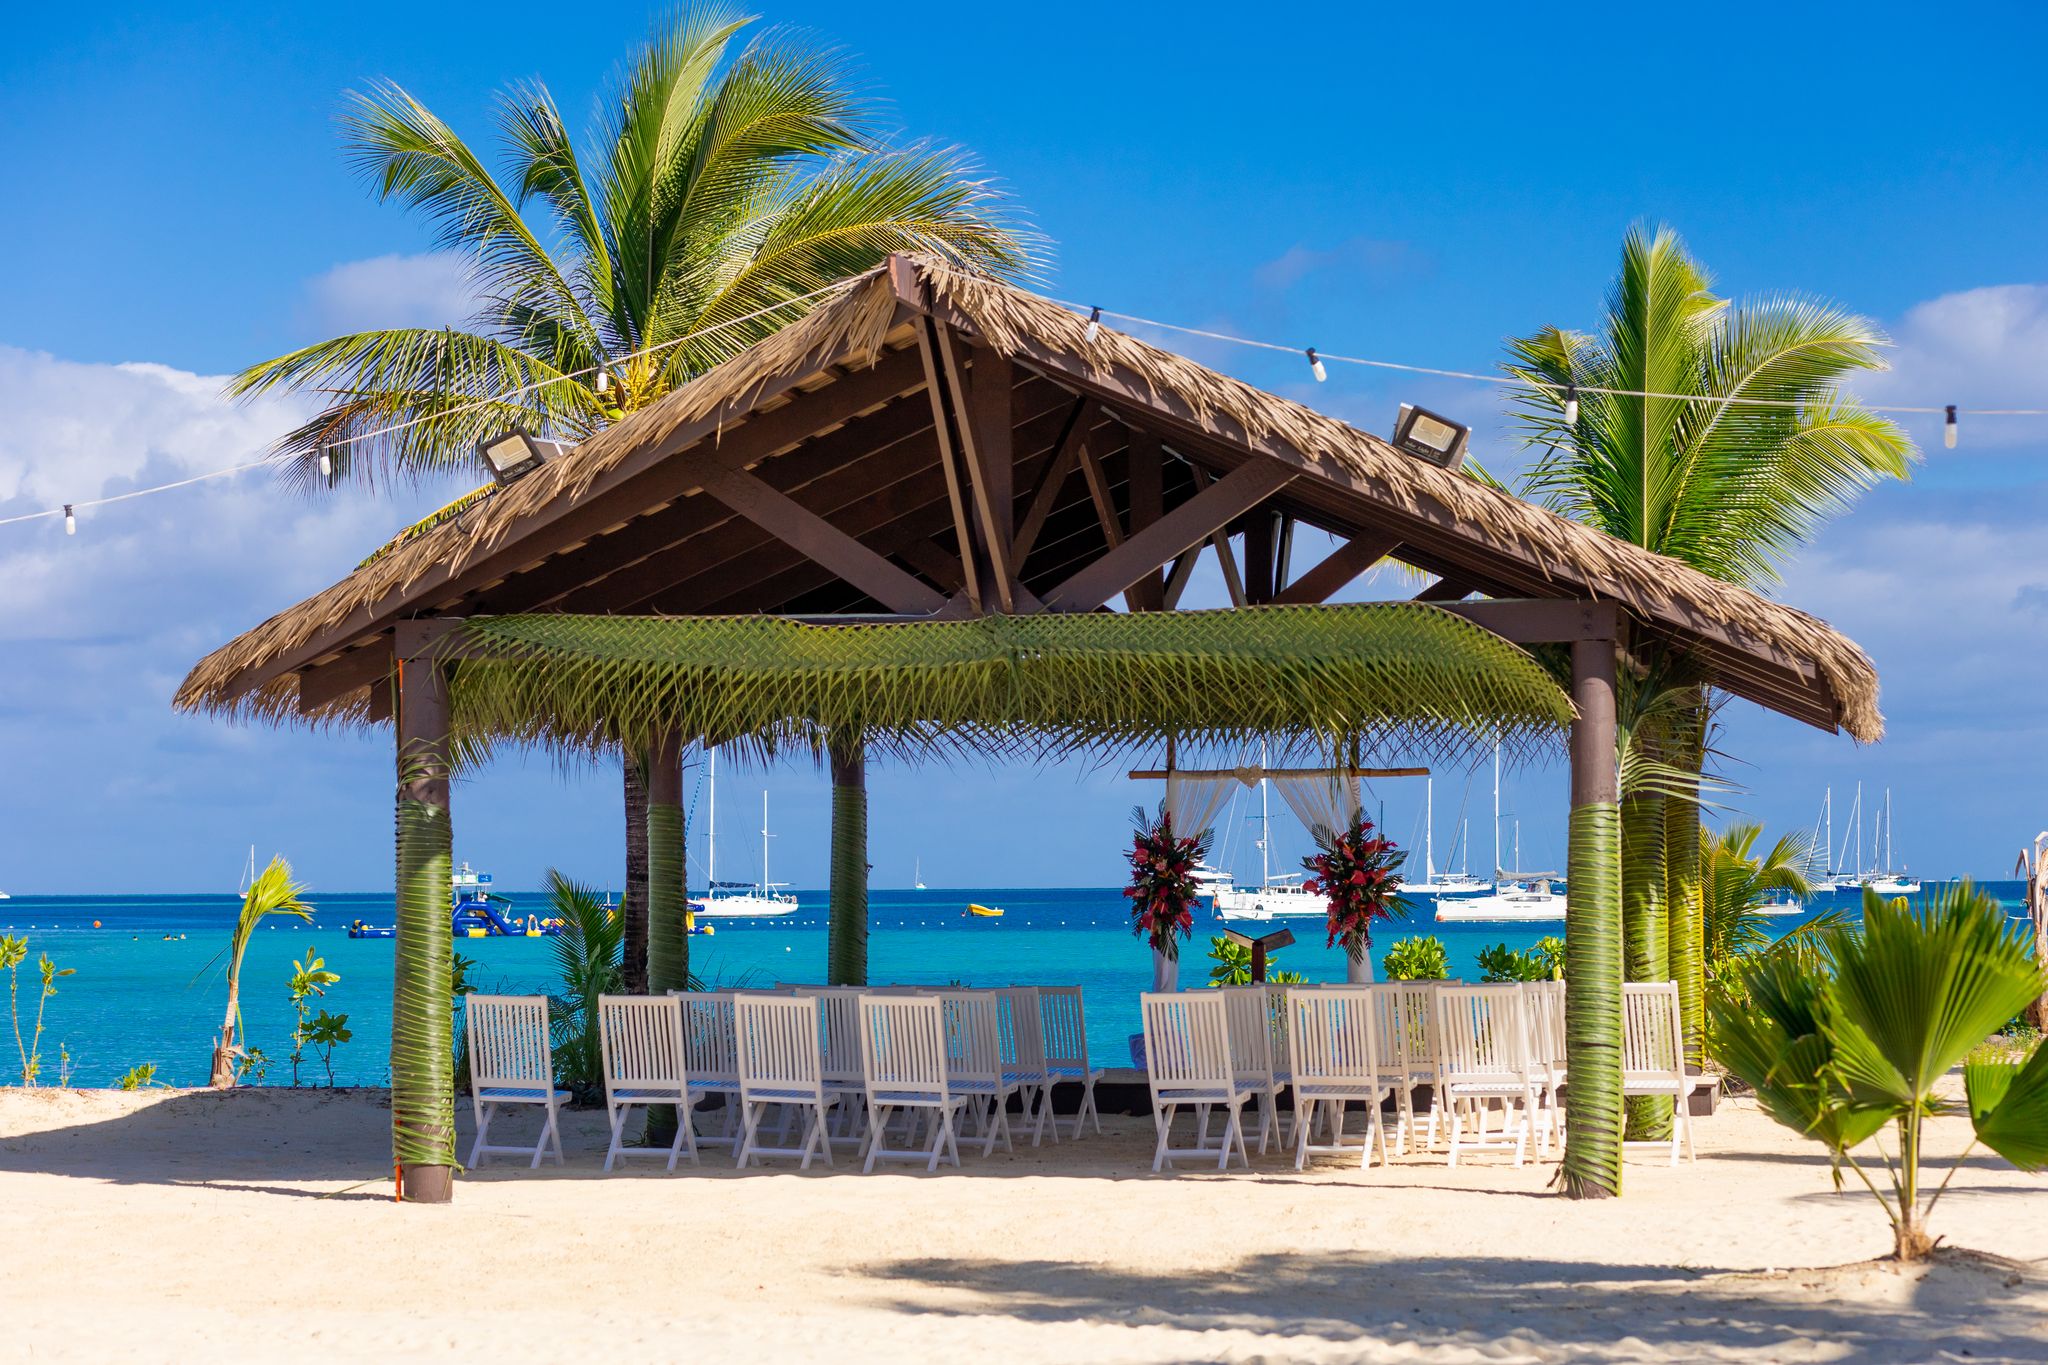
(930,448)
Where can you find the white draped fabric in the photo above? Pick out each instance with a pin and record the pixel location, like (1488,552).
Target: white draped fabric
(1321,801)
(1195,802)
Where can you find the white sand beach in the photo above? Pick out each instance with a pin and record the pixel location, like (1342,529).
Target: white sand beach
(259,1225)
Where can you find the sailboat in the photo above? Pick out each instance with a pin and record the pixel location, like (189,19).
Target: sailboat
(916,873)
(1447,883)
(1519,897)
(1889,883)
(1278,894)
(248,874)
(735,900)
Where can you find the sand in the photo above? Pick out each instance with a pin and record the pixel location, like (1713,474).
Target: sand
(259,1225)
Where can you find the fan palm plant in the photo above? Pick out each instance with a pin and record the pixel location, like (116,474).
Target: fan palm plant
(1730,441)
(273,892)
(1841,1045)
(1736,882)
(589,962)
(724,187)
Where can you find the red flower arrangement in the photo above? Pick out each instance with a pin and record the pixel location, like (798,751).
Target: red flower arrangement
(1163,887)
(1360,874)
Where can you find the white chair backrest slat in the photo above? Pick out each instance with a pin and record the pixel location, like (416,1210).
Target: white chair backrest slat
(974,1047)
(839,1024)
(642,1040)
(903,1044)
(776,1039)
(1187,1040)
(1022,1029)
(1249,1019)
(1063,1025)
(1651,1043)
(1332,1036)
(1482,1033)
(508,1041)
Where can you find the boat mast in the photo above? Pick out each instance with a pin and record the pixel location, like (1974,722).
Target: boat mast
(1828,810)
(765,883)
(1429,829)
(1889,865)
(1265,823)
(710,822)
(1496,805)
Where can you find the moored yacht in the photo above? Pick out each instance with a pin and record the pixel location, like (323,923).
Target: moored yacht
(736,900)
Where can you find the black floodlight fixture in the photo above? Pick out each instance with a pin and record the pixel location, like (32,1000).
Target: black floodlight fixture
(513,454)
(1431,436)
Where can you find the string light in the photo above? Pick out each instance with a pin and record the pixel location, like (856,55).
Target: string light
(1571,405)
(70,521)
(327,462)
(1094,327)
(1948,428)
(1315,366)
(604,382)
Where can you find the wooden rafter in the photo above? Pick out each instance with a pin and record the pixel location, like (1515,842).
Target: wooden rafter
(982,401)
(1338,568)
(1065,456)
(942,422)
(802,529)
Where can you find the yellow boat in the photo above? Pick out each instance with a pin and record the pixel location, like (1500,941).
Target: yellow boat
(985,911)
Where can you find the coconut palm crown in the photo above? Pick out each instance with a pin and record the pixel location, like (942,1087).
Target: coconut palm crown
(719,181)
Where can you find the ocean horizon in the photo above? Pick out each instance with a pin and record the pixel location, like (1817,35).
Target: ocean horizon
(148,984)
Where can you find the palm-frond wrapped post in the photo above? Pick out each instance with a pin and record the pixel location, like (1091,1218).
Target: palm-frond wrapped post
(847,948)
(1645,954)
(634,906)
(1593,939)
(422,1026)
(1684,906)
(668,905)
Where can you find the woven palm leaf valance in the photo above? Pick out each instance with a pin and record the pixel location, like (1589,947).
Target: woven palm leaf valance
(1311,677)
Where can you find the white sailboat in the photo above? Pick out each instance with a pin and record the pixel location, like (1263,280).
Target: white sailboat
(1519,897)
(735,900)
(1447,883)
(916,872)
(1889,883)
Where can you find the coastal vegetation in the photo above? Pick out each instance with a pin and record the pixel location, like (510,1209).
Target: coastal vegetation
(309,981)
(272,892)
(589,962)
(1419,957)
(1858,1036)
(14,952)
(1543,962)
(1234,965)
(1727,489)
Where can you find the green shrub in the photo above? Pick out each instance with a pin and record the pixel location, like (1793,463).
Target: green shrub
(1419,957)
(1502,963)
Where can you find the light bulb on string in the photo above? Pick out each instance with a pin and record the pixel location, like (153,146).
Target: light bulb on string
(604,382)
(1571,405)
(1315,366)
(1094,327)
(70,521)
(327,462)
(1948,428)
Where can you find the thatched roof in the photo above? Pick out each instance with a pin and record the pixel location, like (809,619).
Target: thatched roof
(1349,481)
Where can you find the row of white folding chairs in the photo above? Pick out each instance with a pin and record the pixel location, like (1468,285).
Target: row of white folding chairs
(1475,1047)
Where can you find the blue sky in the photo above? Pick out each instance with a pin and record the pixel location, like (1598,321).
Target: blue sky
(1412,185)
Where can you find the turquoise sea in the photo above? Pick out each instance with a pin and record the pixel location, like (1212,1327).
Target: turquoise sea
(147,983)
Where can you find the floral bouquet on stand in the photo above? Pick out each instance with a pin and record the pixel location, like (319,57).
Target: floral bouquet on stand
(1162,889)
(1359,873)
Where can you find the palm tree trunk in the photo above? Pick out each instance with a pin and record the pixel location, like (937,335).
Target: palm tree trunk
(847,950)
(1684,905)
(1593,939)
(1645,952)
(666,922)
(223,1077)
(633,903)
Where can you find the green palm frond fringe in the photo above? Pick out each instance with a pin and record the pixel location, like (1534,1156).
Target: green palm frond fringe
(1593,1105)
(422,1045)
(1313,677)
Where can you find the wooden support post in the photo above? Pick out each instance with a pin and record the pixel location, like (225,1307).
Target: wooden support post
(847,937)
(986,440)
(1593,946)
(1258,557)
(1148,505)
(422,1029)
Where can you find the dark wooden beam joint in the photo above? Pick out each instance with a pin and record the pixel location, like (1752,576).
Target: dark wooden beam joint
(819,540)
(1545,620)
(1339,568)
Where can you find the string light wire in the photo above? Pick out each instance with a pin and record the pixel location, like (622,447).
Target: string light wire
(330,448)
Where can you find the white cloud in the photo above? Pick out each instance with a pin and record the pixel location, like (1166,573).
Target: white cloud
(1985,348)
(435,289)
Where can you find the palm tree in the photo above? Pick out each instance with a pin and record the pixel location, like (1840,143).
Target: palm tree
(1736,882)
(723,189)
(1741,446)
(273,892)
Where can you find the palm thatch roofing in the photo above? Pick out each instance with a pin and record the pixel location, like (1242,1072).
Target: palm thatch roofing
(851,418)
(1324,681)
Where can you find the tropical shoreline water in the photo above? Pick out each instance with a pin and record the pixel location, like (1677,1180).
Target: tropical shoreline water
(148,985)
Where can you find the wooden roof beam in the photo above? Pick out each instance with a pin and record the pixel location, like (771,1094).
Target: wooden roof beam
(818,539)
(1339,568)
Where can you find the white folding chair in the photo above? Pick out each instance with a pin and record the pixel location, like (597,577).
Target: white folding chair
(1282,1056)
(839,1042)
(510,1062)
(1022,1031)
(642,1040)
(711,1060)
(974,1062)
(776,1040)
(1653,1058)
(1188,1063)
(1250,1020)
(1334,1041)
(1482,1032)
(903,1066)
(1064,1028)
(1546,1057)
